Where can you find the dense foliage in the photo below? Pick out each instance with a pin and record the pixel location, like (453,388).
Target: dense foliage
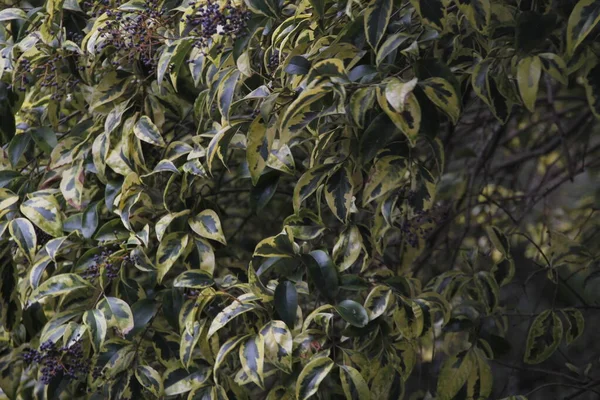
(277,199)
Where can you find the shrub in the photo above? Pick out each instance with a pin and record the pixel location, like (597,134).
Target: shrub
(280,200)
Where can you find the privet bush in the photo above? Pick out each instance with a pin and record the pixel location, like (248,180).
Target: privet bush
(279,199)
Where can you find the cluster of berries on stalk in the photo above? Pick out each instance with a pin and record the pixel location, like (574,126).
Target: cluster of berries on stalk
(210,19)
(273,61)
(53,74)
(105,260)
(133,34)
(421,224)
(68,362)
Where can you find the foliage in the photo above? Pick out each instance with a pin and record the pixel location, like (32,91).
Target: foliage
(306,199)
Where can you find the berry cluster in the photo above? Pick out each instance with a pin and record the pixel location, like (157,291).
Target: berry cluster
(66,361)
(133,35)
(209,20)
(52,72)
(273,61)
(101,261)
(421,225)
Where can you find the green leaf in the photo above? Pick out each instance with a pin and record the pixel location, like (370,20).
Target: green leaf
(258,148)
(252,358)
(189,339)
(432,12)
(117,314)
(278,345)
(381,131)
(311,377)
(575,326)
(146,131)
(354,385)
(169,250)
(583,19)
(378,301)
(390,45)
(347,248)
(478,13)
(408,120)
(17,147)
(529,71)
(339,192)
(485,87)
(543,338)
(361,102)
(297,65)
(226,91)
(480,382)
(286,302)
(208,225)
(386,175)
(44,138)
(12,13)
(308,184)
(454,374)
(233,310)
(44,211)
(591,82)
(353,313)
(97,326)
(397,92)
(442,94)
(376,19)
(227,348)
(195,279)
(322,272)
(23,233)
(554,66)
(499,240)
(150,379)
(89,222)
(58,285)
(280,245)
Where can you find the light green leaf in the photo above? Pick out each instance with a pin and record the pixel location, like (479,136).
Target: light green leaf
(583,19)
(58,285)
(208,225)
(44,211)
(354,385)
(454,374)
(233,310)
(278,344)
(377,16)
(529,71)
(347,248)
(150,379)
(12,13)
(387,174)
(117,313)
(575,326)
(538,347)
(311,377)
(195,279)
(554,66)
(97,326)
(252,358)
(339,192)
(169,250)
(225,349)
(442,94)
(23,233)
(147,132)
(378,301)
